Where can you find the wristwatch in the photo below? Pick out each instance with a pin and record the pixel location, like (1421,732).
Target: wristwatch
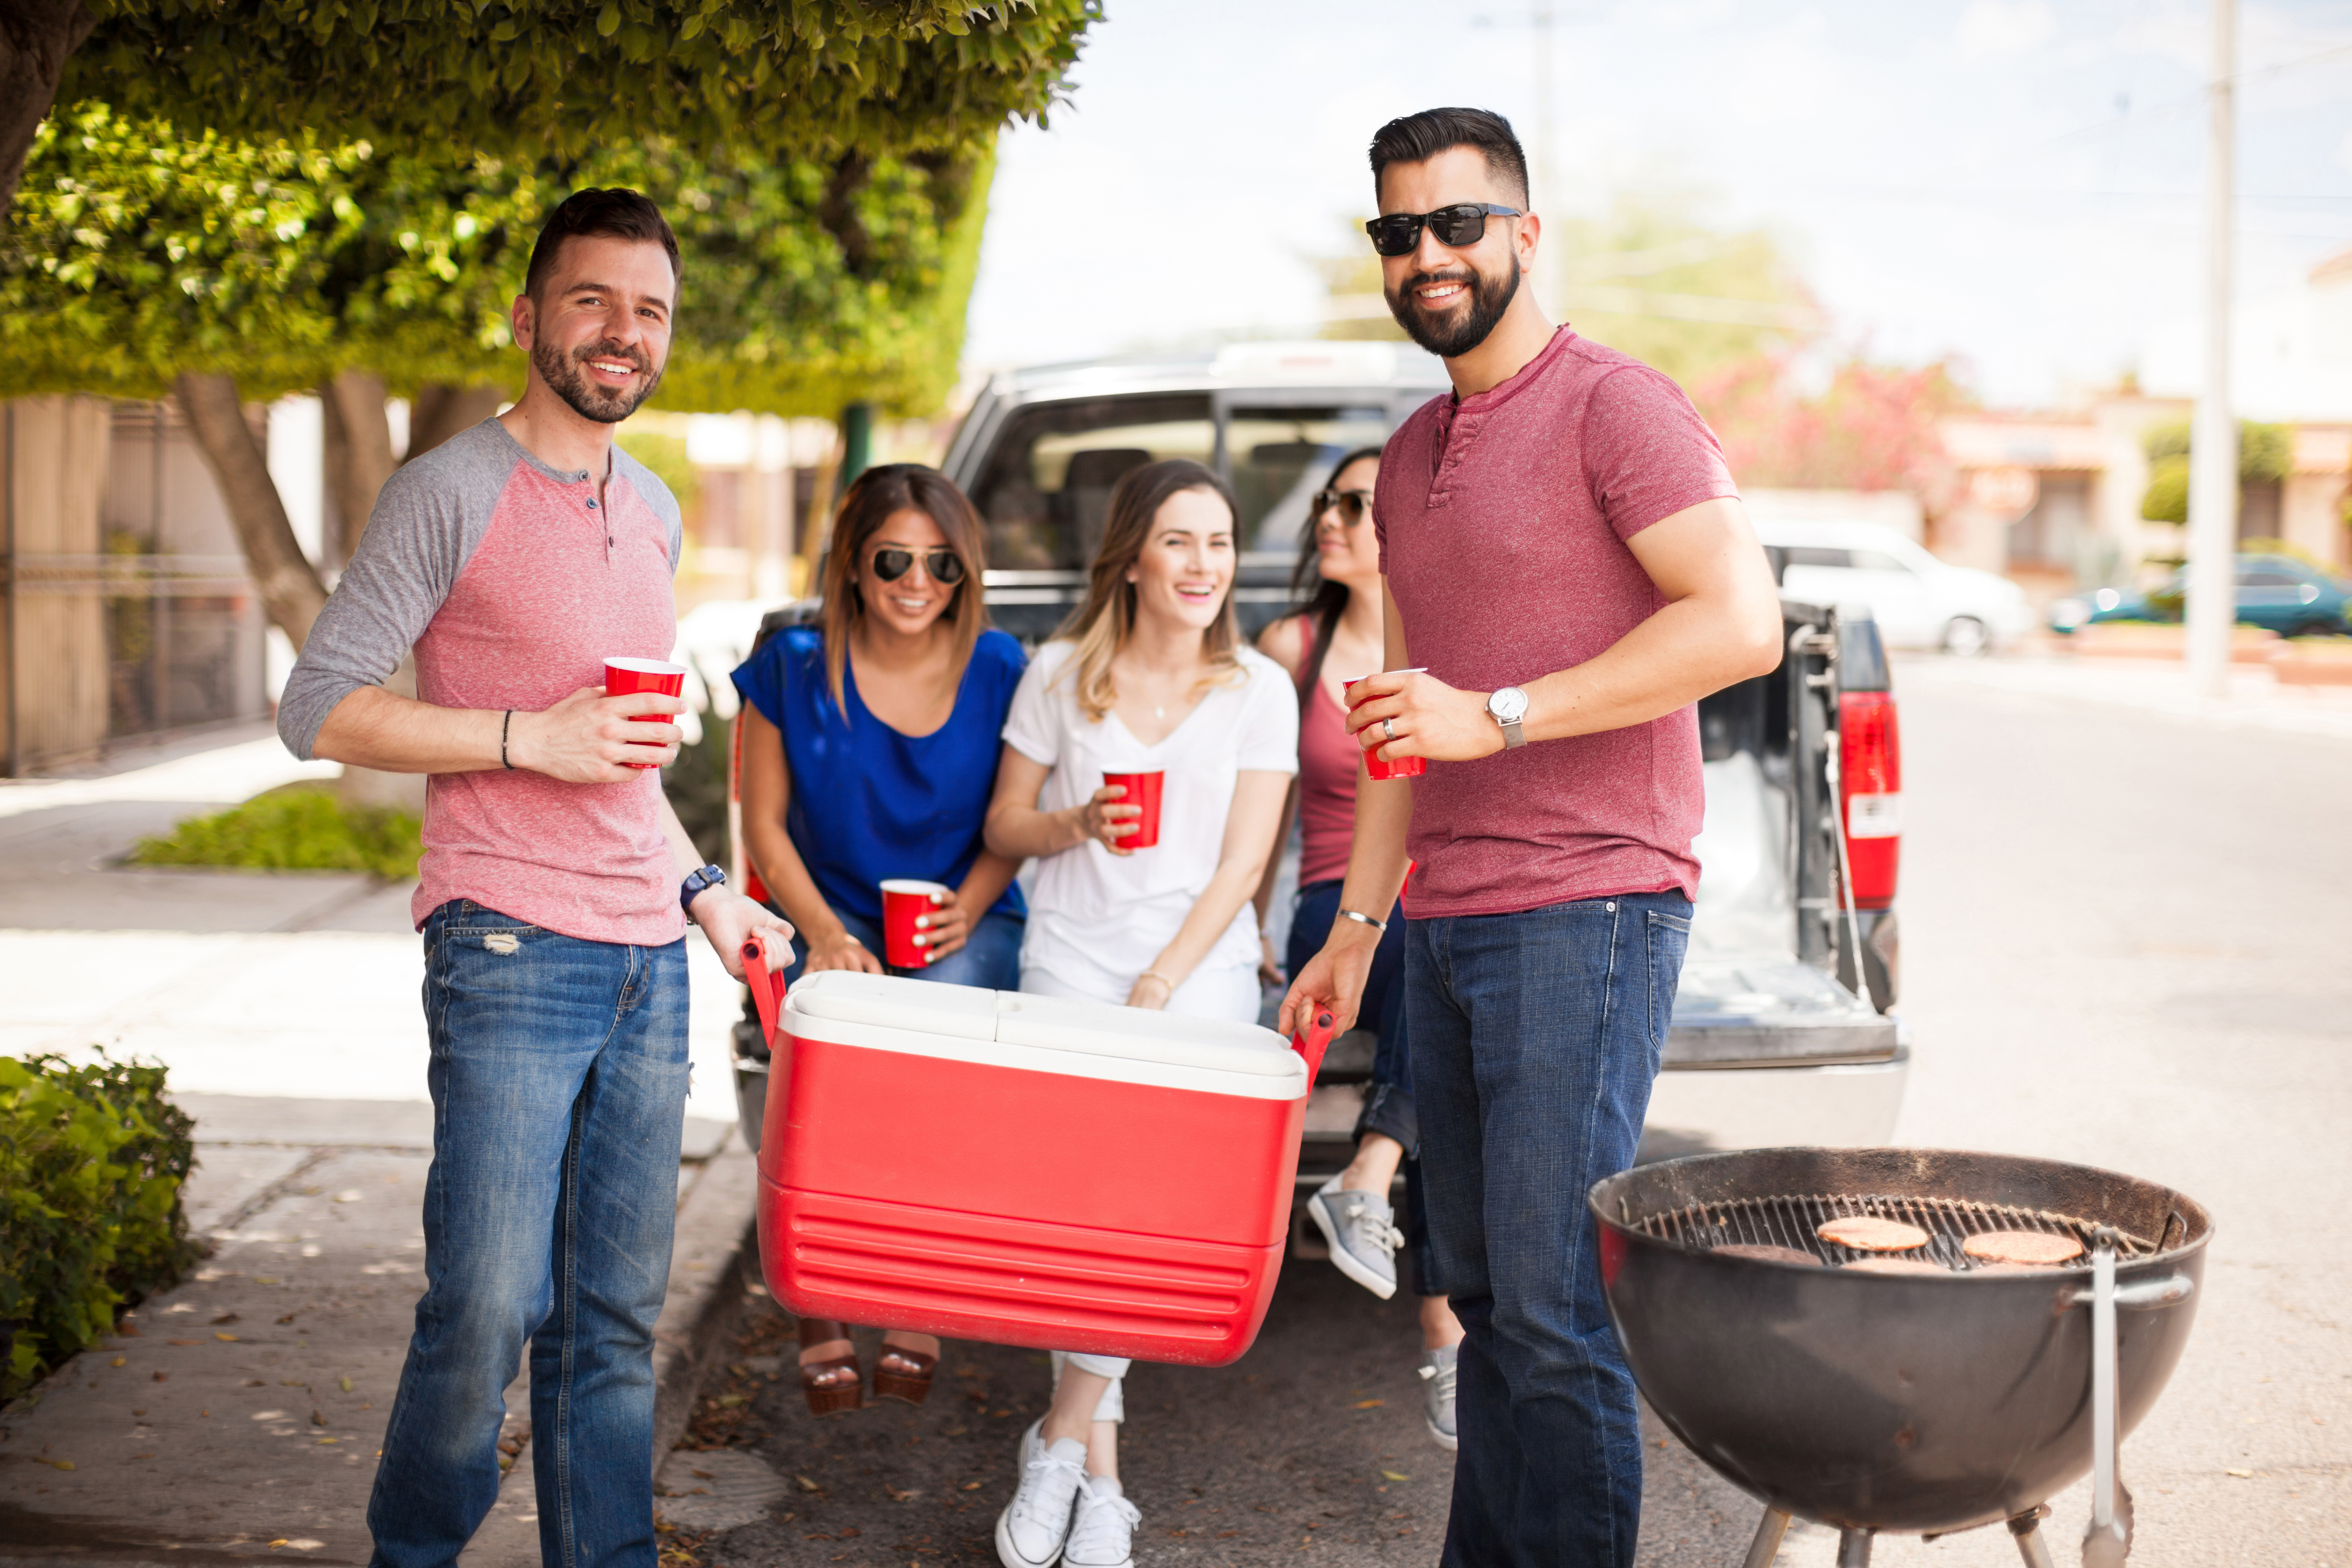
(1508,707)
(698,882)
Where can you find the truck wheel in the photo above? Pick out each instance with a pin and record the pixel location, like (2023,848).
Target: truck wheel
(1965,636)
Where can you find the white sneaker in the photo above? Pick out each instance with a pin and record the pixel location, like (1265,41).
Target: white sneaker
(1437,1377)
(1361,1229)
(1034,1524)
(1104,1535)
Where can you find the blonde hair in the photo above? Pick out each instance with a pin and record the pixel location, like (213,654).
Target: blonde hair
(877,495)
(1100,628)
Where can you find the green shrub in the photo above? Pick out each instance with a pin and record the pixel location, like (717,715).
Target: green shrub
(305,828)
(92,1160)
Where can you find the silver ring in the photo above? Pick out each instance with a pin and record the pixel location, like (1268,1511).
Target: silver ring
(1387,727)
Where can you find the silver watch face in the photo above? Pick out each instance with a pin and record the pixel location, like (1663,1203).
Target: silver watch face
(1508,705)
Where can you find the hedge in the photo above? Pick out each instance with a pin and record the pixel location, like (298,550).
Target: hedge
(92,1160)
(299,827)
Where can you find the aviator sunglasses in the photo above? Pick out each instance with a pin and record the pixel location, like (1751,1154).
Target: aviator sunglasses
(1352,505)
(893,562)
(1461,226)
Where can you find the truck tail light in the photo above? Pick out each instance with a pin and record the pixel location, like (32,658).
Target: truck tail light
(1870,792)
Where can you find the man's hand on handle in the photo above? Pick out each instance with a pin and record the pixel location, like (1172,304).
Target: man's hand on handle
(727,917)
(1333,979)
(588,738)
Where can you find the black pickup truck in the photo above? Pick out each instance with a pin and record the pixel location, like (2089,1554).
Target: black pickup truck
(1782,1031)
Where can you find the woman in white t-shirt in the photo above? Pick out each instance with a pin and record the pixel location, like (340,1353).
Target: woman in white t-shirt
(1149,675)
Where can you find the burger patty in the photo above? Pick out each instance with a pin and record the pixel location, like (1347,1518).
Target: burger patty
(1768,1254)
(1894,1266)
(1868,1233)
(2026,1247)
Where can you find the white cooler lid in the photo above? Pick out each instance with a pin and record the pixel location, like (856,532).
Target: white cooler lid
(1049,1034)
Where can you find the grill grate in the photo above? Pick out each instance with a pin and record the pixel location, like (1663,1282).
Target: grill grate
(1792,1221)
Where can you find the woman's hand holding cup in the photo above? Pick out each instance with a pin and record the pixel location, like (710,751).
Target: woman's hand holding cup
(1105,820)
(945,928)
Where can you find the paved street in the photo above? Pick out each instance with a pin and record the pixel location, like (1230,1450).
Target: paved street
(2125,940)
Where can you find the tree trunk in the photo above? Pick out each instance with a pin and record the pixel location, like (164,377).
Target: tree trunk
(36,36)
(290,589)
(358,437)
(441,410)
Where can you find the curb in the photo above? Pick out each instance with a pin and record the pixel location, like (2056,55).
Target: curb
(715,1255)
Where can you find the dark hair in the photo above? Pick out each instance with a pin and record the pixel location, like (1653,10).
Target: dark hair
(1101,625)
(877,495)
(1325,600)
(1418,138)
(622,213)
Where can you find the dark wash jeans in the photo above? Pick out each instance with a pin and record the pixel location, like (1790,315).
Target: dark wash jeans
(1536,1037)
(557,1076)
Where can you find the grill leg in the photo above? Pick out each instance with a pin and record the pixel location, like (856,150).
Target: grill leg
(1854,1549)
(2030,1545)
(1767,1544)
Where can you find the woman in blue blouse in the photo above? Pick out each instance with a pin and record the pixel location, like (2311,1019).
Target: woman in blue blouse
(870,745)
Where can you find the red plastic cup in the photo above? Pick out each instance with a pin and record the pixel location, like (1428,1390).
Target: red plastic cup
(904,902)
(1143,790)
(624,676)
(1404,768)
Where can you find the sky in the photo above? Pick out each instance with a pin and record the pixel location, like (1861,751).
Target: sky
(2014,182)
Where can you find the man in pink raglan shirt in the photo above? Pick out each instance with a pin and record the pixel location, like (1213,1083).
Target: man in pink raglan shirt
(554,895)
(1564,551)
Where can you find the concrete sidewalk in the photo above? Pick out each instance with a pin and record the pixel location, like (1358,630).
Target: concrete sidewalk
(2255,699)
(239,1416)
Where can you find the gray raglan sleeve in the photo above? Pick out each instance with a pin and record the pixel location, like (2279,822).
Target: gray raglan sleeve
(654,494)
(417,539)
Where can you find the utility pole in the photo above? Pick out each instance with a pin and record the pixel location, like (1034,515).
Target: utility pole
(2212,611)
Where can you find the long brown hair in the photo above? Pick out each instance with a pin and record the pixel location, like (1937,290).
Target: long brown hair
(878,494)
(1325,600)
(1101,625)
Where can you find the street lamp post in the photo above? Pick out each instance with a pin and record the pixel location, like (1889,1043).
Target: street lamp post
(2212,609)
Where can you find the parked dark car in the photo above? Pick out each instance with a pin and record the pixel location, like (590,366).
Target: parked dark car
(2276,592)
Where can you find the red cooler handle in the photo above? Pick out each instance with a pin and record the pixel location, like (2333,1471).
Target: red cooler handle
(1311,1042)
(767,988)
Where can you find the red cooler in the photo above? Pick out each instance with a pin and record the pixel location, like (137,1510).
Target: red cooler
(1028,1171)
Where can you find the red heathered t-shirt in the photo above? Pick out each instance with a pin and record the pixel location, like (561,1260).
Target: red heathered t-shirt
(1503,519)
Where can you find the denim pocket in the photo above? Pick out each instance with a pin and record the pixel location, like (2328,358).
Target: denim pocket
(1666,939)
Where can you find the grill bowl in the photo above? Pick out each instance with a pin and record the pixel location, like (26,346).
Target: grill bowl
(1890,1402)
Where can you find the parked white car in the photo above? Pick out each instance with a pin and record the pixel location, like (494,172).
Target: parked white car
(1919,601)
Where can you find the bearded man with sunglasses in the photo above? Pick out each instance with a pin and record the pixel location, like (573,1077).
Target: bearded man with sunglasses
(1564,551)
(554,894)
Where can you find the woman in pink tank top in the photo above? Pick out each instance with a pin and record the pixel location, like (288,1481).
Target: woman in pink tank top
(1335,639)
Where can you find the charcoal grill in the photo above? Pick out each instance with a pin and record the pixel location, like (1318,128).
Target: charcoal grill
(1911,1403)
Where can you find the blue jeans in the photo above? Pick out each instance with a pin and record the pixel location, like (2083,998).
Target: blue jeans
(1536,1037)
(990,957)
(557,1077)
(1388,1100)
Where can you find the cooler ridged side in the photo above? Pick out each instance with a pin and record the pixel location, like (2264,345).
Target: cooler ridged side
(1013,1281)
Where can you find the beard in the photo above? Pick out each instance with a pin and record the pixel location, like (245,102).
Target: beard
(1459,328)
(607,405)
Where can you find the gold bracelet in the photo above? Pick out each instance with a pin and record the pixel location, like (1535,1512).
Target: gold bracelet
(1155,974)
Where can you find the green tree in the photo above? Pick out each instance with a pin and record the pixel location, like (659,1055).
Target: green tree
(774,79)
(2265,453)
(142,262)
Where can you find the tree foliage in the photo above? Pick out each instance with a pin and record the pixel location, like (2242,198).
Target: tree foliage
(2265,453)
(774,80)
(1874,427)
(137,253)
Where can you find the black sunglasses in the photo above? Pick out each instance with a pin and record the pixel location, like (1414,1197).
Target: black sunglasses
(893,562)
(1461,226)
(1352,505)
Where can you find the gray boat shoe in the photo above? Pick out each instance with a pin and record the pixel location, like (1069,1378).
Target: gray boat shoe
(1361,1229)
(1437,1371)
